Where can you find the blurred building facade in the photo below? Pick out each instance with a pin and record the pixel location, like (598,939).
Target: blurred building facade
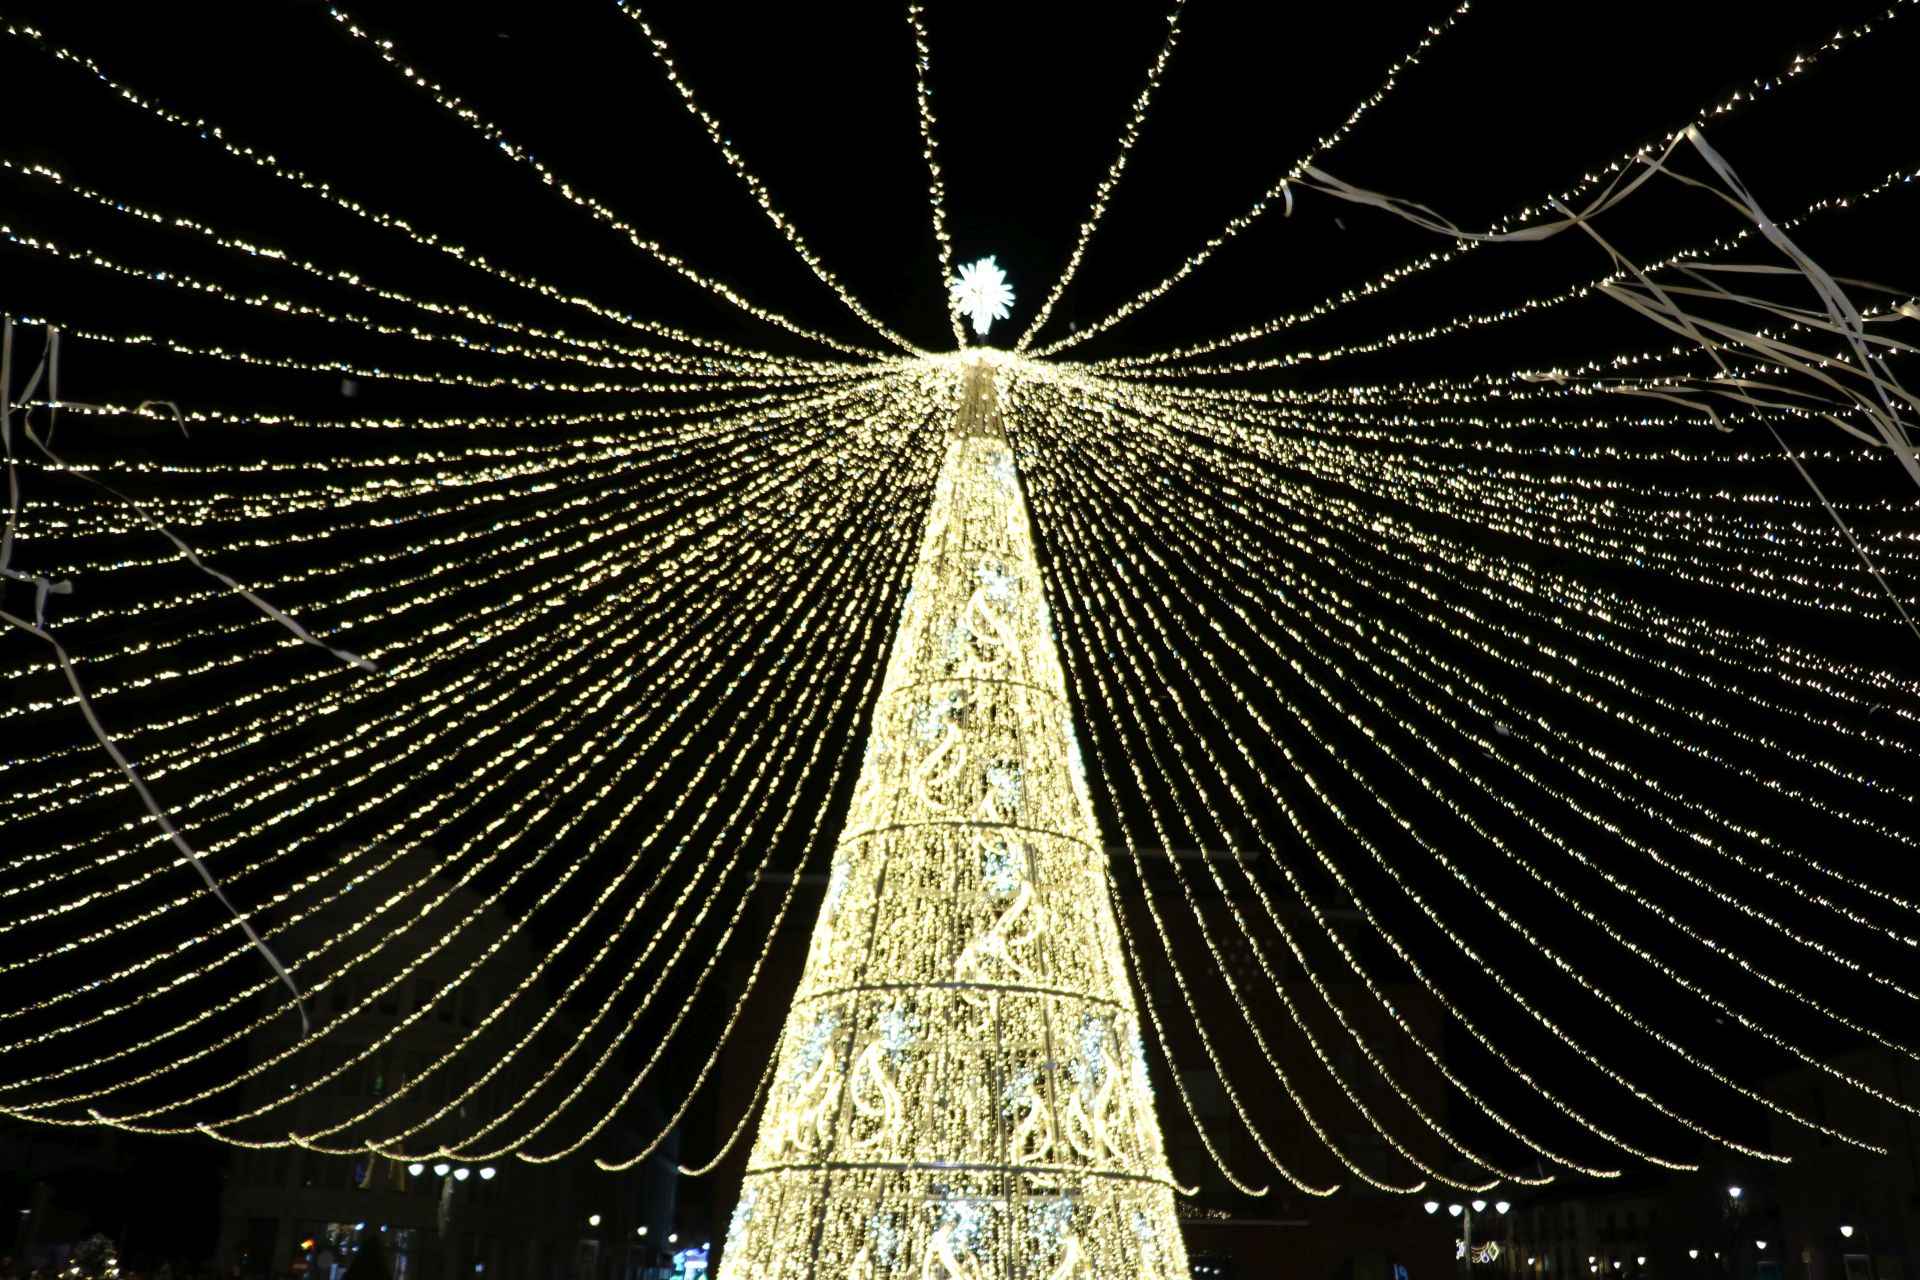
(35,1162)
(1833,1212)
(304,1213)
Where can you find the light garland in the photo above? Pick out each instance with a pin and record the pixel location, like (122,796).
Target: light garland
(1459,324)
(929,151)
(761,196)
(1277,193)
(1589,183)
(1264,539)
(1454,552)
(214,134)
(682,659)
(242,782)
(1128,136)
(453,106)
(350,279)
(1496,842)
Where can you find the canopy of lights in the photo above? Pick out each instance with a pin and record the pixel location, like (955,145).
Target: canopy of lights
(1495,765)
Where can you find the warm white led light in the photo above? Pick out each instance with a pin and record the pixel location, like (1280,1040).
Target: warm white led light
(961,1087)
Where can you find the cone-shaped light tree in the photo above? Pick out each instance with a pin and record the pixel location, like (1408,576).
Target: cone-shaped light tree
(961,1092)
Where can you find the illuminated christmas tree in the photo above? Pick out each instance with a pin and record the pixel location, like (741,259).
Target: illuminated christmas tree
(961,1091)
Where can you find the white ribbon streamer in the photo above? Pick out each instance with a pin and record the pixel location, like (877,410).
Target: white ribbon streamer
(159,814)
(1838,315)
(49,367)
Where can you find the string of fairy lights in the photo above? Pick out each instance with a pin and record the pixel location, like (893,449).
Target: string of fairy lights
(1166,523)
(1129,135)
(1505,738)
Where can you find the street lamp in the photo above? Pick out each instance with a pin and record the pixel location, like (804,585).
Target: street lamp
(1465,1212)
(1433,1206)
(1694,1254)
(1851,1200)
(416,1169)
(486,1174)
(593,1219)
(440,1170)
(1733,1193)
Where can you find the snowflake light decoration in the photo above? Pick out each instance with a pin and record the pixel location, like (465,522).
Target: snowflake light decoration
(981,294)
(742,1215)
(1005,778)
(999,583)
(886,1237)
(814,1048)
(1000,467)
(1000,867)
(965,1221)
(897,1029)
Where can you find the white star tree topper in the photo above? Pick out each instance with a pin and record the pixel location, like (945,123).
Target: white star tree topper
(980,293)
